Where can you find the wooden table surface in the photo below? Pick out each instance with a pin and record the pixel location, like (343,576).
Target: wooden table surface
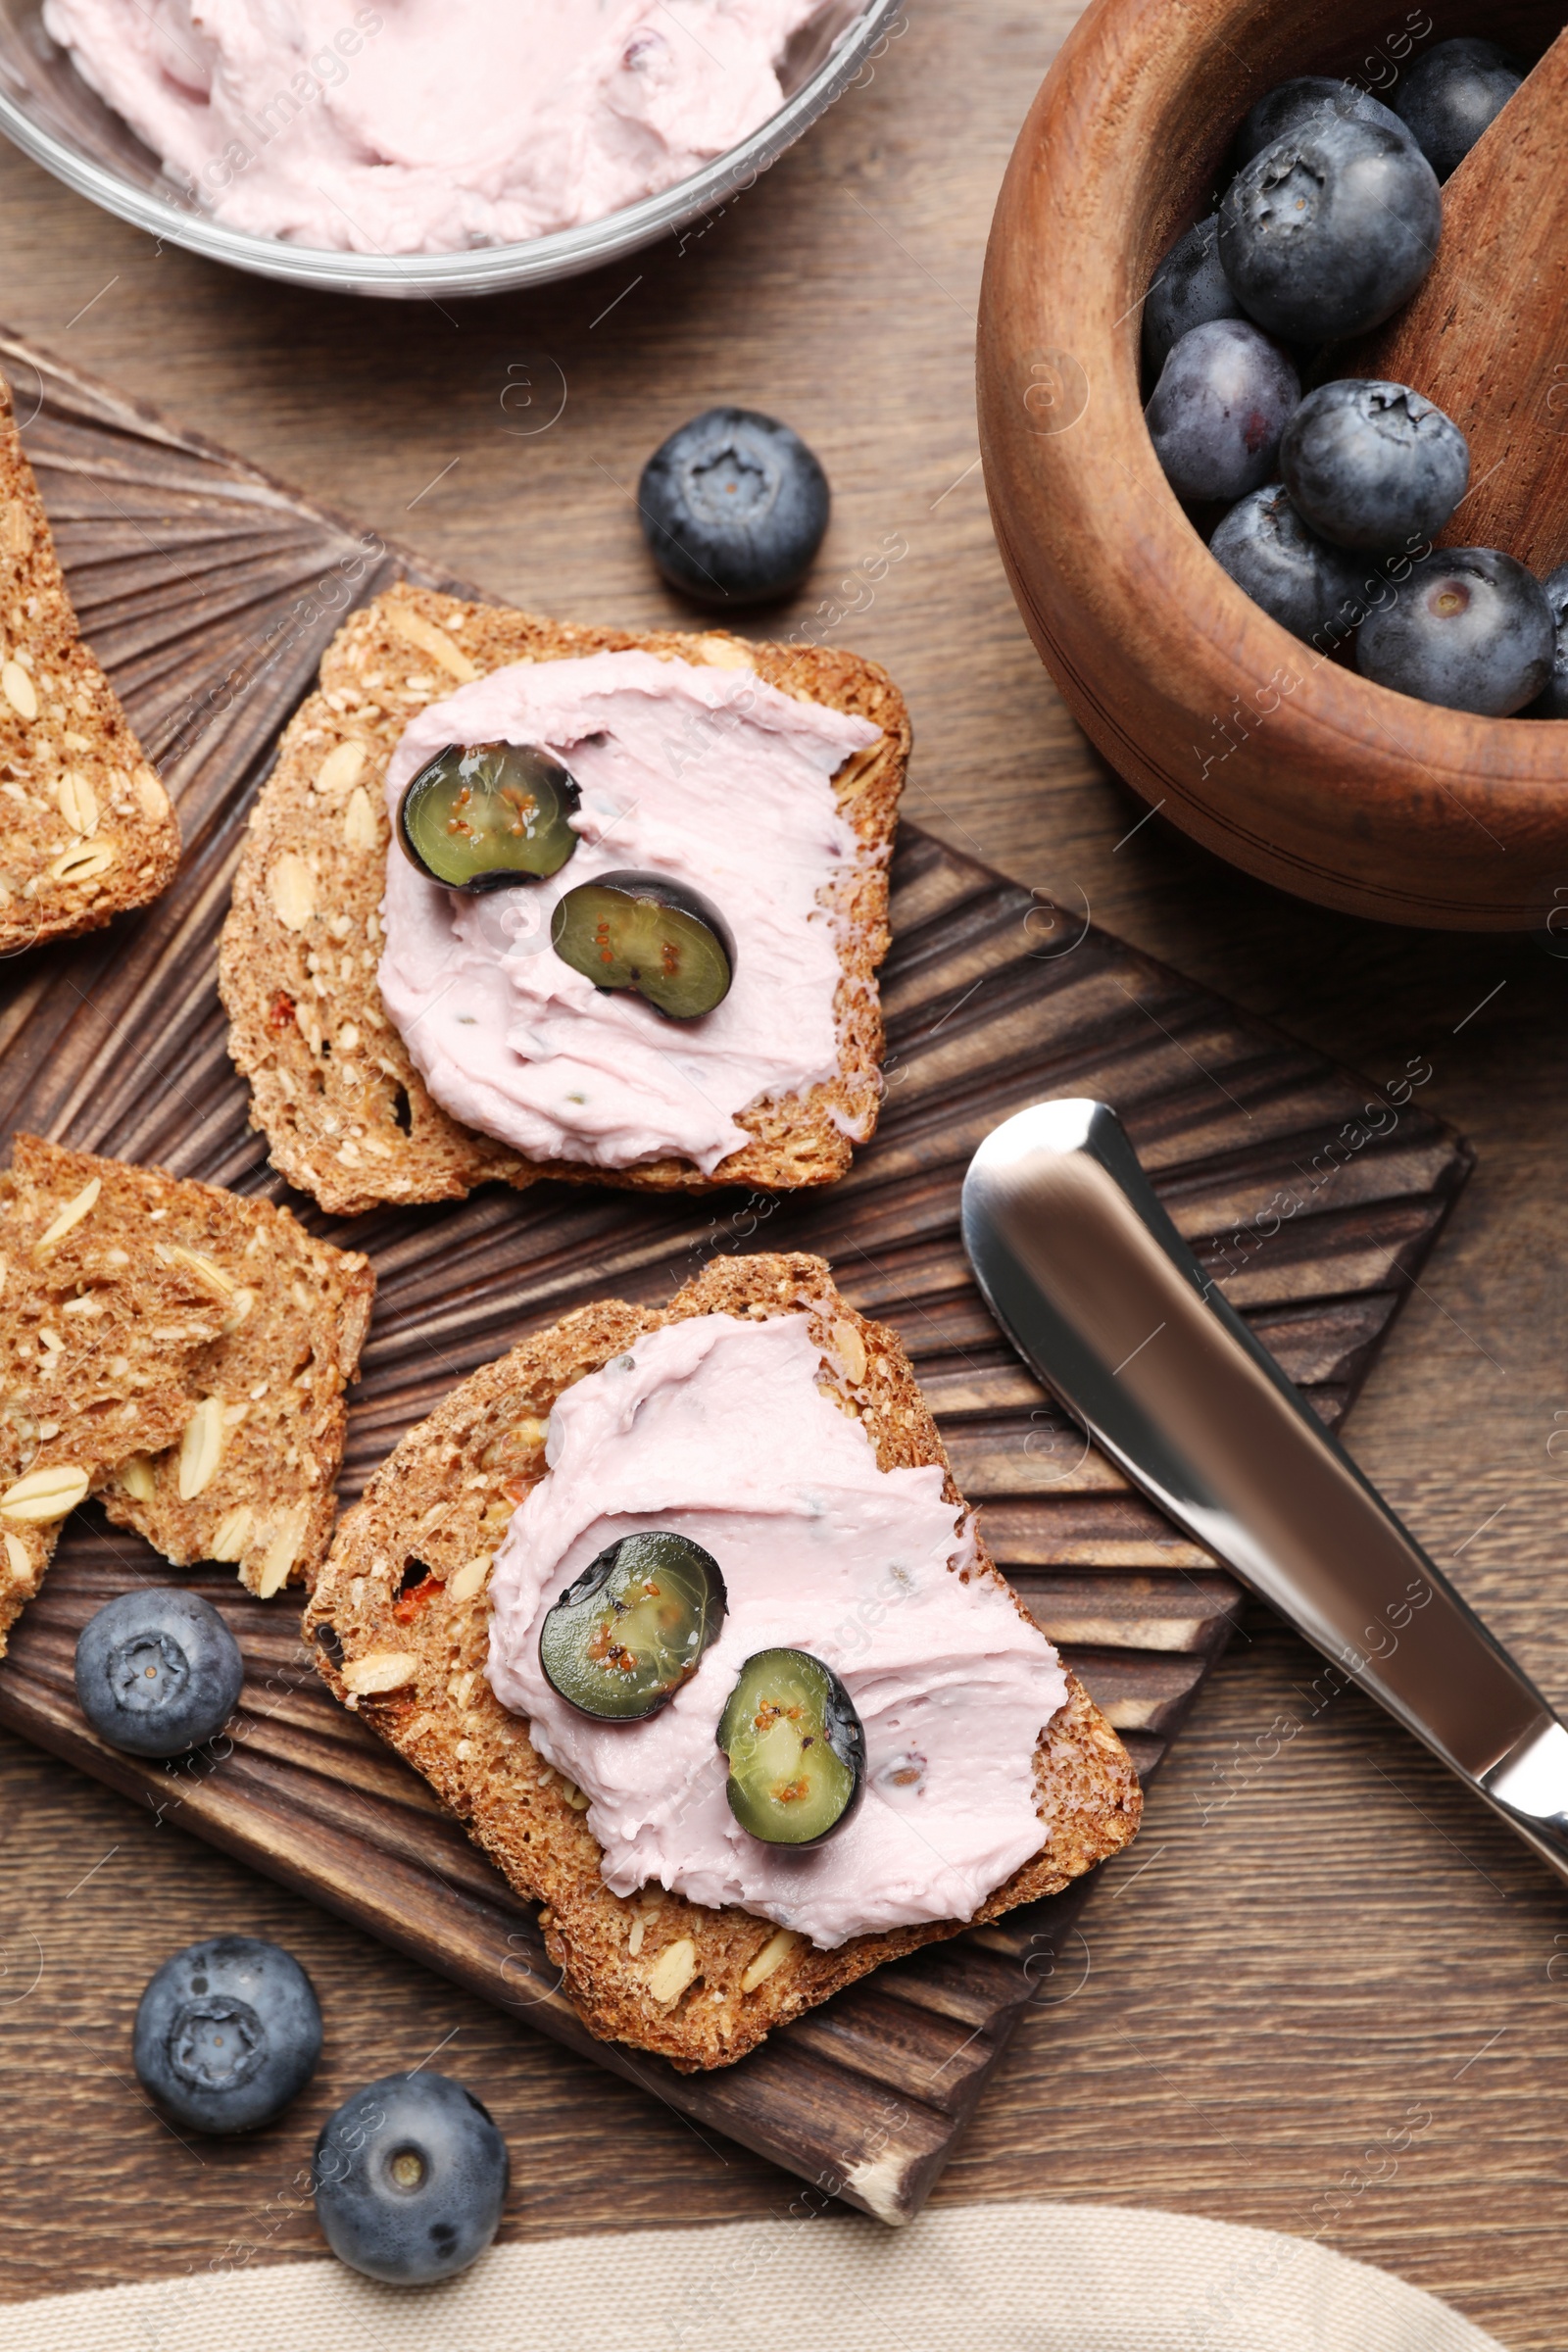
(1324,1993)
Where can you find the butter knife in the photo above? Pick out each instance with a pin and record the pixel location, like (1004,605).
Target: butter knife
(1094,1286)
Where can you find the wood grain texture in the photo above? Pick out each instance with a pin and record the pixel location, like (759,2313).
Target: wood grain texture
(1494,312)
(1270,752)
(1312,1947)
(1314,1199)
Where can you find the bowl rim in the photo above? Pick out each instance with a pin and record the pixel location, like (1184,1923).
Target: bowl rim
(475,269)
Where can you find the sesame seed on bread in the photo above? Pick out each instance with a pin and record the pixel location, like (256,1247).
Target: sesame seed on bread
(400,1617)
(139,1314)
(87,828)
(346,1114)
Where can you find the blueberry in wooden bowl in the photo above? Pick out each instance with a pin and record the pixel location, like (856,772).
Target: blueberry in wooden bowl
(1277,753)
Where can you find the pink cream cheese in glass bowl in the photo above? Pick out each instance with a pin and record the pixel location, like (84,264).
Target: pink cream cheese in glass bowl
(421,146)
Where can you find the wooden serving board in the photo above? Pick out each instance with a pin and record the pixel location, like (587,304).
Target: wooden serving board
(208,591)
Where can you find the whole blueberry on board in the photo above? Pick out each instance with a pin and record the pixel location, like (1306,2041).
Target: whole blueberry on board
(1470,628)
(158,1671)
(1224,397)
(1189,289)
(1290,104)
(411,2175)
(1314,590)
(733,508)
(1453,94)
(1329,230)
(226,2033)
(1373,464)
(1554,703)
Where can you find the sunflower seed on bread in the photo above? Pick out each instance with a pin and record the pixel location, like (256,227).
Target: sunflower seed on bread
(87,828)
(346,1116)
(401,1617)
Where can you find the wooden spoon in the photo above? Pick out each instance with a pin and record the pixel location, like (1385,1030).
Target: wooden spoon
(1486,335)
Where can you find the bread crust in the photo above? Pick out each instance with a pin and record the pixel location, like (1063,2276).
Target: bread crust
(346,1114)
(409,1654)
(88,828)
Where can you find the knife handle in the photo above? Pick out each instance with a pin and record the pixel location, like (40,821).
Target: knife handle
(1084,1270)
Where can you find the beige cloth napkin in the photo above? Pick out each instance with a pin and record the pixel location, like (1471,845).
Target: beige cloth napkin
(963,2278)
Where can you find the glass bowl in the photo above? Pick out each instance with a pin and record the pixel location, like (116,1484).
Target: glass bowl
(50,114)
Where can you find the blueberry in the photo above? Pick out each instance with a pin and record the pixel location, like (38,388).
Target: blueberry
(1215,416)
(1189,288)
(1329,230)
(734,505)
(1453,94)
(158,1671)
(1553,703)
(226,2033)
(1469,629)
(410,2175)
(1290,104)
(1310,588)
(1374,464)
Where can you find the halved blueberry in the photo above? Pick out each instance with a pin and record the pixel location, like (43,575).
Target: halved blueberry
(158,1671)
(733,508)
(623,1639)
(795,1746)
(650,934)
(487,816)
(410,2175)
(226,2033)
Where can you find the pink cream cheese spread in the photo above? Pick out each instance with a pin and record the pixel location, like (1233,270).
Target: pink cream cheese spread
(709,775)
(428,125)
(717,1429)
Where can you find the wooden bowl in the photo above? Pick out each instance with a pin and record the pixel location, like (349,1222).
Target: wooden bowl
(1287,764)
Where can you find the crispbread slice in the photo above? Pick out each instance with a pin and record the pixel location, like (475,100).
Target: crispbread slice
(138,1315)
(96,1336)
(400,1616)
(345,1113)
(253,1478)
(87,827)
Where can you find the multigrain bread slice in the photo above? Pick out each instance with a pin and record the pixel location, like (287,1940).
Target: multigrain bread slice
(254,1477)
(96,1336)
(140,1314)
(86,829)
(346,1114)
(400,1617)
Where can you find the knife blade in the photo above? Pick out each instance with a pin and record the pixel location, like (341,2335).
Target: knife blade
(1087,1275)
